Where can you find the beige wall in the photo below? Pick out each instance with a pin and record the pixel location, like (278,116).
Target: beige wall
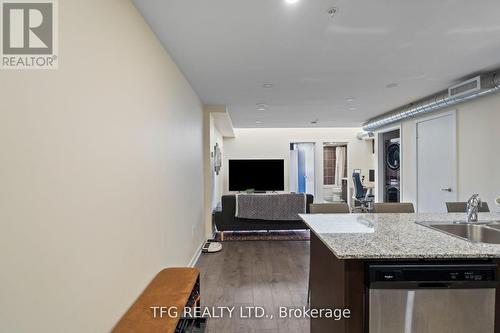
(275,143)
(478,140)
(218,188)
(213,182)
(101,182)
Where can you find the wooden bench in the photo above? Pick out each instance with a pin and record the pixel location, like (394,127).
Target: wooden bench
(171,288)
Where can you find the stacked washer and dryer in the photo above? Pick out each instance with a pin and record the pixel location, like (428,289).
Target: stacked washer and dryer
(392,172)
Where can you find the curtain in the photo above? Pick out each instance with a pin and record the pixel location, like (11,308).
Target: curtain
(340,165)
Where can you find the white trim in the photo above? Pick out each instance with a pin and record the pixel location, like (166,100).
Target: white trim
(401,163)
(196,255)
(453,114)
(380,162)
(349,199)
(315,161)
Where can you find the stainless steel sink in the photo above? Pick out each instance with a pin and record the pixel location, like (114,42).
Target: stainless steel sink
(483,232)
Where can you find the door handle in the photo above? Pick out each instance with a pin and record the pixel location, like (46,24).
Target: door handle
(448,189)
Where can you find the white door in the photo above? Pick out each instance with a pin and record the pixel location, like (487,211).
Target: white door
(436,163)
(302,168)
(308,149)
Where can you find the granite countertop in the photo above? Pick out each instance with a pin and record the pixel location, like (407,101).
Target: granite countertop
(395,236)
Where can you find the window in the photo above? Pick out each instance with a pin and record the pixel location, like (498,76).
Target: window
(331,163)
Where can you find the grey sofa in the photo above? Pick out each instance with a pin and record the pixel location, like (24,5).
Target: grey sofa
(225,219)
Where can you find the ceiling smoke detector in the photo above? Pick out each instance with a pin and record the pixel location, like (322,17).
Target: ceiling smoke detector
(332,11)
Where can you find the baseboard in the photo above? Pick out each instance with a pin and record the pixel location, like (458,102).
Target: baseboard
(196,255)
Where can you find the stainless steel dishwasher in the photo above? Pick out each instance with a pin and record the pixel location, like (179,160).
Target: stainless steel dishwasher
(432,298)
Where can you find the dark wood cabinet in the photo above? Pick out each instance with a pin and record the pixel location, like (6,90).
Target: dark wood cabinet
(340,284)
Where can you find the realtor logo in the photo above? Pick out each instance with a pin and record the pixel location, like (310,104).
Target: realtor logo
(29,34)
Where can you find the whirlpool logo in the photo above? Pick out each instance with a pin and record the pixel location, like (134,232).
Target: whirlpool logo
(29,34)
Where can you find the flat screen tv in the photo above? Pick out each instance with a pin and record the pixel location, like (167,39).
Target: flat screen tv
(260,175)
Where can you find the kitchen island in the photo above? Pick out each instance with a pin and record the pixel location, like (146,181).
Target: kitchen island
(344,245)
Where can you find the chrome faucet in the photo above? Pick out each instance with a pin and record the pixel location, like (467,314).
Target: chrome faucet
(473,205)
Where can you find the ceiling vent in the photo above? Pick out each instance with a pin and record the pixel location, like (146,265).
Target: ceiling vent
(468,87)
(479,86)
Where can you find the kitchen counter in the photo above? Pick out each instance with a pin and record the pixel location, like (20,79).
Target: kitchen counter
(344,245)
(395,236)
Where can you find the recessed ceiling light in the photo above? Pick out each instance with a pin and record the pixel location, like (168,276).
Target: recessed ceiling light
(267,85)
(392,85)
(261,107)
(258,122)
(350,99)
(353,108)
(291,2)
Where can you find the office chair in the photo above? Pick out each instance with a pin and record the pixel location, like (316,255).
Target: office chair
(325,208)
(360,195)
(329,208)
(461,207)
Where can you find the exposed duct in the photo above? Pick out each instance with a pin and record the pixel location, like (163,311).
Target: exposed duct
(489,84)
(365,136)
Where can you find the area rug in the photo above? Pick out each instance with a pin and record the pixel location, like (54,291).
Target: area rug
(280,235)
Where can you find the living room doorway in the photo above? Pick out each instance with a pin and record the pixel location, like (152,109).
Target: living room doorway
(302,167)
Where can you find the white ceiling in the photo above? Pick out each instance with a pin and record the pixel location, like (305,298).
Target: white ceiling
(229,48)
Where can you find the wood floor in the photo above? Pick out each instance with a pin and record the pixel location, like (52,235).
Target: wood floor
(256,273)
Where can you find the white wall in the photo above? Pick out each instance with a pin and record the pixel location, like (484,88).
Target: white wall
(101,182)
(213,182)
(478,148)
(218,180)
(275,143)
